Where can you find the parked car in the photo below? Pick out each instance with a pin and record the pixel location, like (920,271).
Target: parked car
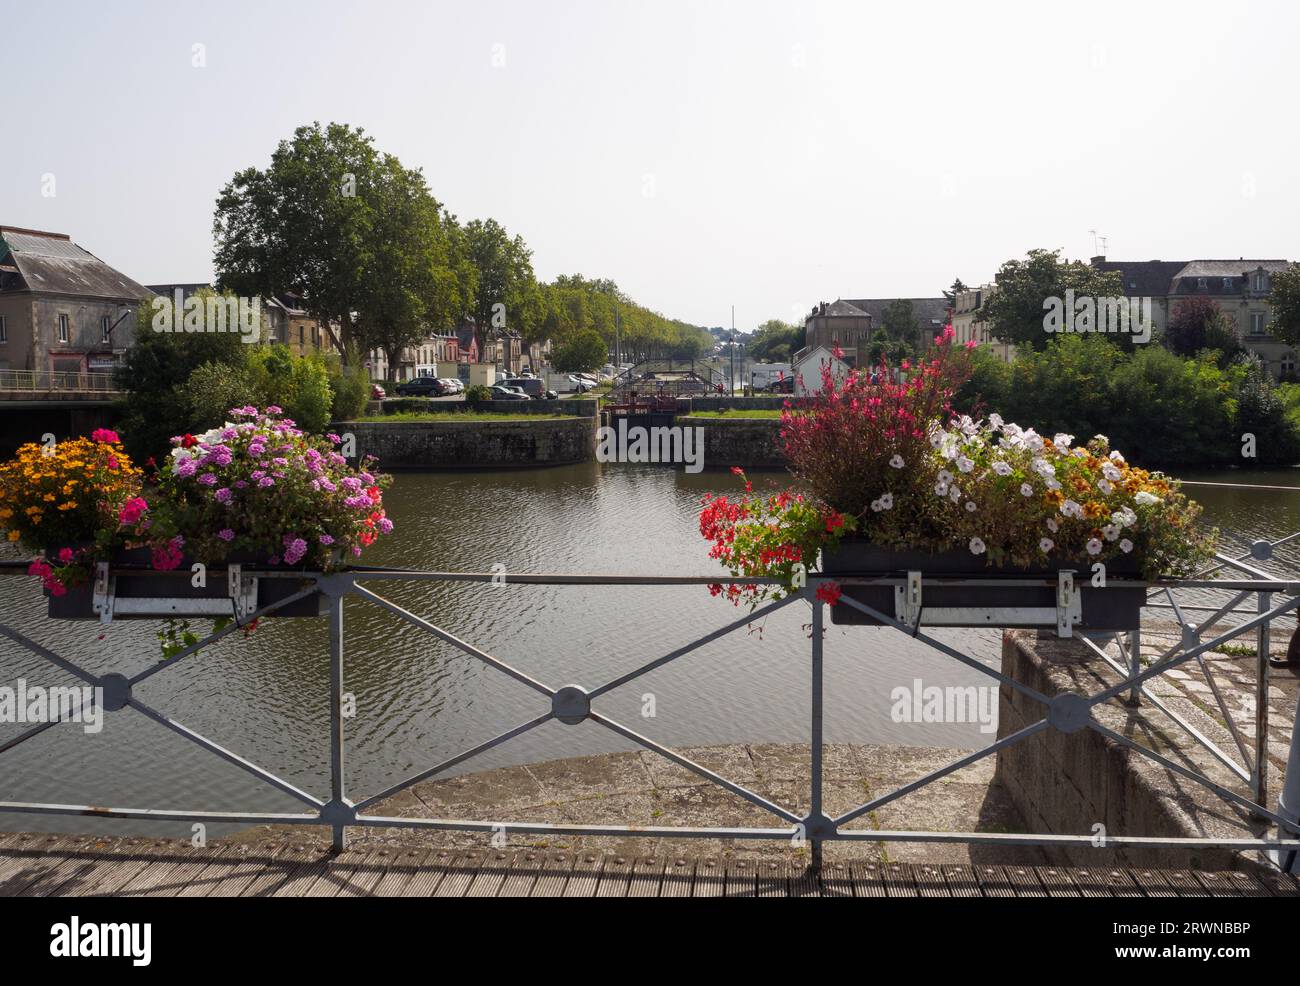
(579,384)
(454,386)
(500,393)
(377,393)
(531,386)
(422,387)
(785,386)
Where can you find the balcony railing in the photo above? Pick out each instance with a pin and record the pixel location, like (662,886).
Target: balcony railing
(55,382)
(574,704)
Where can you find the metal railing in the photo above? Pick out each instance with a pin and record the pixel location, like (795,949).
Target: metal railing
(50,381)
(573,704)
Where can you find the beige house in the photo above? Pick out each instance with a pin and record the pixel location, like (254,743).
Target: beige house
(1239,287)
(967,326)
(62,309)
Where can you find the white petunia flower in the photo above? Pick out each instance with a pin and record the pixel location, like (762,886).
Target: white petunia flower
(976,546)
(964,464)
(970,506)
(1001,468)
(887,501)
(1094,547)
(1110,532)
(1125,545)
(1116,457)
(940,489)
(1145,499)
(1071,509)
(954,495)
(995,420)
(875,505)
(1109,471)
(897,462)
(945,476)
(1026,489)
(1053,483)
(1063,441)
(1046,545)
(1105,486)
(1052,525)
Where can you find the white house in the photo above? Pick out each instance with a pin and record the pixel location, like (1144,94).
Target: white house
(808,369)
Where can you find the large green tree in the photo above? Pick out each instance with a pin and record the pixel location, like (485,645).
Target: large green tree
(506,288)
(1014,312)
(305,224)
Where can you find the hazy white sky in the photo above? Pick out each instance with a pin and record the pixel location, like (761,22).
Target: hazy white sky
(766,155)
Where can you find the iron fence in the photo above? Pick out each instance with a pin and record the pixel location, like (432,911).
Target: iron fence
(50,381)
(572,704)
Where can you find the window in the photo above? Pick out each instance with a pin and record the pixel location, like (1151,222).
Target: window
(63,328)
(1288,364)
(1227,284)
(1257,323)
(4,328)
(301,334)
(104,328)
(1261,282)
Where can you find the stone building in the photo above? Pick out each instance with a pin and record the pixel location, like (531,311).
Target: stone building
(62,309)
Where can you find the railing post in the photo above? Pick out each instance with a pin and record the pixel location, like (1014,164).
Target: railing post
(1288,805)
(815,810)
(335,598)
(1259,769)
(1135,664)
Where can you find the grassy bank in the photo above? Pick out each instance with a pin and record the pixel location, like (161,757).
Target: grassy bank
(734,414)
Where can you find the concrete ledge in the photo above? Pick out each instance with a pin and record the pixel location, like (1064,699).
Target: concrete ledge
(748,442)
(474,444)
(1070,783)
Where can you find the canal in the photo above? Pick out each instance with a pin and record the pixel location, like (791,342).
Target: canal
(419,700)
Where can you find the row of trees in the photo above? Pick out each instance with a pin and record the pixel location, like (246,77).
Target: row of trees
(362,239)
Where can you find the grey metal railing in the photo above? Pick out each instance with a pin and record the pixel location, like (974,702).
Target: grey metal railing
(573,704)
(50,381)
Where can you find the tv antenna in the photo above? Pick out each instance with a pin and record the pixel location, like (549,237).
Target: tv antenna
(1096,240)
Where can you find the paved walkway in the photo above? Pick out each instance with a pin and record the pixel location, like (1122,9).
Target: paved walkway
(70,866)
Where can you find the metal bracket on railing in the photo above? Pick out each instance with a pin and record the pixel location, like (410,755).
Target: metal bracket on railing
(907,600)
(103,592)
(1069,605)
(240,599)
(242,589)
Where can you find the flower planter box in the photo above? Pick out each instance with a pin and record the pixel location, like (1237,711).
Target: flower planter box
(138,592)
(1118,606)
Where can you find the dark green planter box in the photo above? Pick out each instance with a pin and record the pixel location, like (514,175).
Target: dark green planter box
(1116,607)
(135,579)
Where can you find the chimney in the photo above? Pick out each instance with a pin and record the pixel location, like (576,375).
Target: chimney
(1098,260)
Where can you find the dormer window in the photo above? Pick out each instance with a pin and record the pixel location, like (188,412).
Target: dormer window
(1261,281)
(1201,284)
(1227,284)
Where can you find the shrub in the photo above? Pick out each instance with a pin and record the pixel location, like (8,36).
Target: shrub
(477,393)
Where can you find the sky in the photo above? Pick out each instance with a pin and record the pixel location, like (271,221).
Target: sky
(703,155)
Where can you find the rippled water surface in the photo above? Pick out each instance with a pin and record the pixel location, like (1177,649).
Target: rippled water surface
(420,700)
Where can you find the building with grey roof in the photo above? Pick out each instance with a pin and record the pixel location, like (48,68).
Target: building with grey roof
(62,309)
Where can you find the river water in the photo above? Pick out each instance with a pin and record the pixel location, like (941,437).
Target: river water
(419,700)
